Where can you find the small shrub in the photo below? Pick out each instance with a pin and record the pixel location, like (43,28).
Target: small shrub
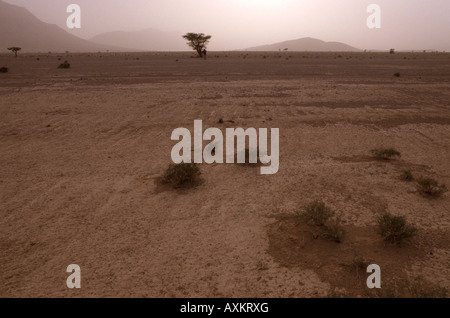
(430,187)
(385,154)
(359,263)
(317,212)
(4,70)
(394,228)
(181,175)
(64,65)
(406,176)
(220,120)
(334,231)
(397,74)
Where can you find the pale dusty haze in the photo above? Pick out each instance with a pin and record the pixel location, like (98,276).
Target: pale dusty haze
(237,24)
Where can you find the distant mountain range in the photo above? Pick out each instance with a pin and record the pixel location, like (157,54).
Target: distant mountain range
(306,44)
(18,27)
(145,40)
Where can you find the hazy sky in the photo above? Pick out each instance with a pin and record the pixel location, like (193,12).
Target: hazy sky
(236,24)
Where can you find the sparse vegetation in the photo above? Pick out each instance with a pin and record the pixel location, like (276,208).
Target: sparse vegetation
(394,228)
(406,175)
(397,74)
(392,51)
(430,187)
(385,154)
(64,65)
(322,216)
(359,264)
(181,175)
(317,212)
(333,230)
(4,70)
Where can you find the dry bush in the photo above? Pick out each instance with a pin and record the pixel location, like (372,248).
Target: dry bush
(64,65)
(360,263)
(430,187)
(317,212)
(333,230)
(394,228)
(320,215)
(183,175)
(4,70)
(406,175)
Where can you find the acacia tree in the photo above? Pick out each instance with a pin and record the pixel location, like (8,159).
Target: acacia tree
(14,49)
(197,41)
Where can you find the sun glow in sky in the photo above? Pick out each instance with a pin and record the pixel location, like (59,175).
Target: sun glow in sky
(237,24)
(264,4)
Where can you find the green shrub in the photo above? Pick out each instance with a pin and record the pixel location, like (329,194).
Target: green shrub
(430,187)
(181,175)
(317,212)
(394,228)
(385,154)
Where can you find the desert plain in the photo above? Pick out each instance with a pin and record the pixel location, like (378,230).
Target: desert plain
(81,148)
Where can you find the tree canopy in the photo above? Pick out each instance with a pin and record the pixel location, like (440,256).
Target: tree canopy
(197,41)
(14,49)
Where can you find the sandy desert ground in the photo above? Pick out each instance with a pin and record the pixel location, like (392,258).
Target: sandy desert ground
(81,149)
